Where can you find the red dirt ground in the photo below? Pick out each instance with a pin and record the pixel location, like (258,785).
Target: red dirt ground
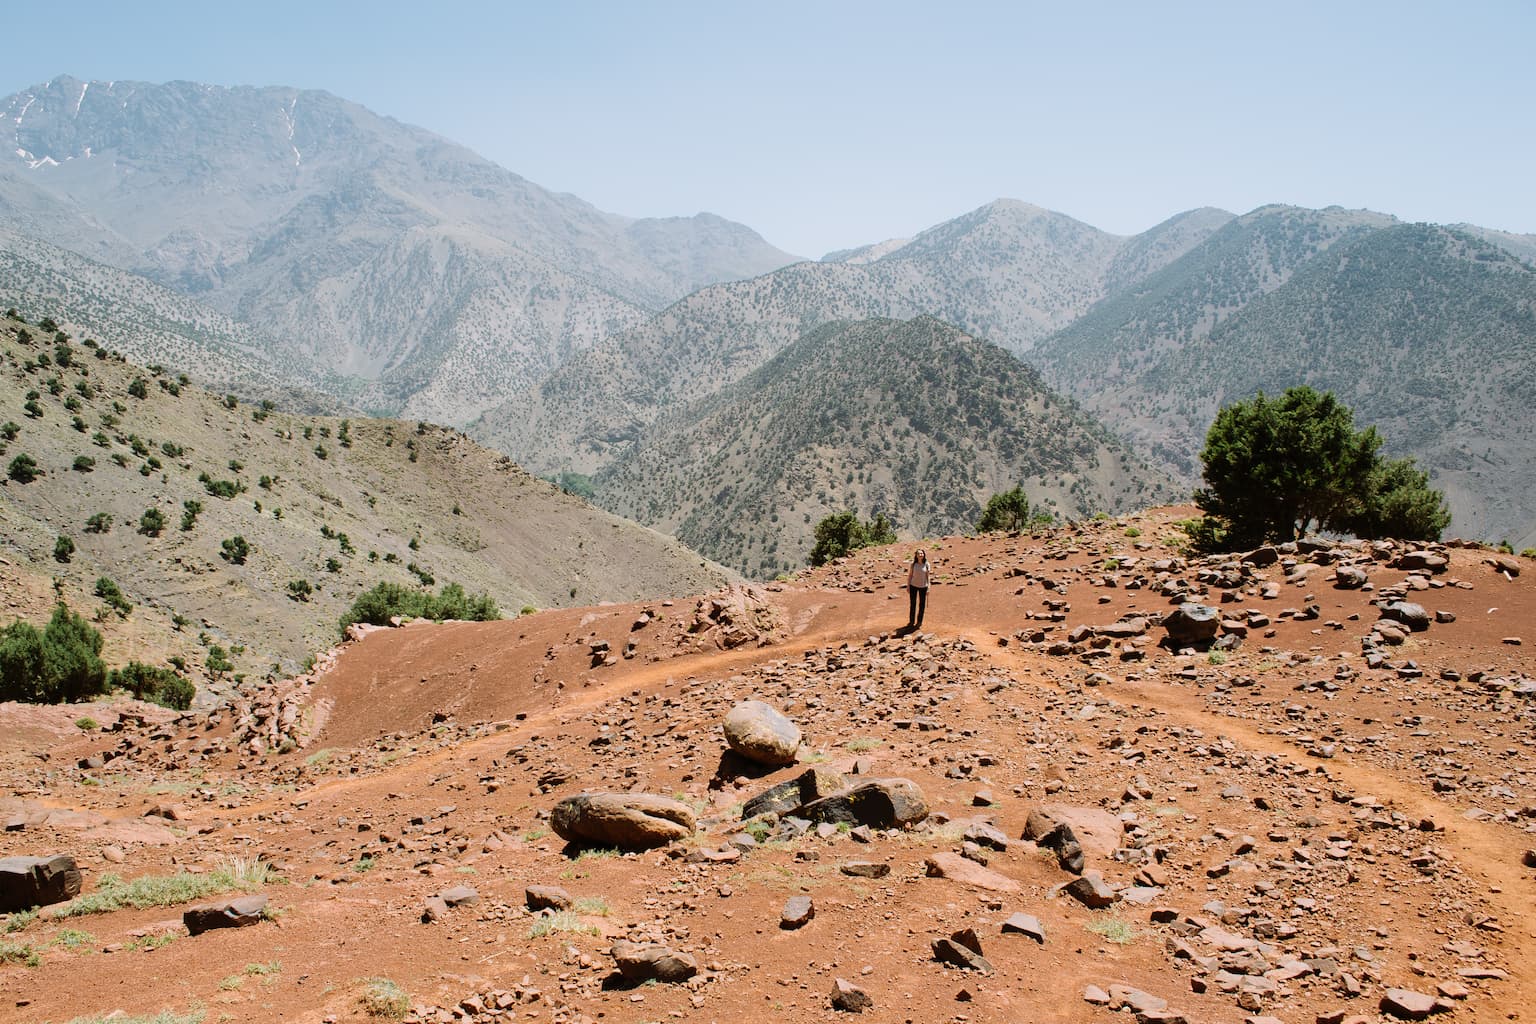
(1387,815)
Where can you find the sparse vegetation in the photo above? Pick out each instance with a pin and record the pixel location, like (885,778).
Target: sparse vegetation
(387,600)
(842,532)
(155,684)
(1009,512)
(109,592)
(558,922)
(113,893)
(384,999)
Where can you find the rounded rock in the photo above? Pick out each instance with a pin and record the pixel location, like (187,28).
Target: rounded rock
(759,733)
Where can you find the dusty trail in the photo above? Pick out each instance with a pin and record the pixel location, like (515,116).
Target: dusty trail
(432,716)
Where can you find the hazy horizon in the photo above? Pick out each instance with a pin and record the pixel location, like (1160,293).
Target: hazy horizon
(831,129)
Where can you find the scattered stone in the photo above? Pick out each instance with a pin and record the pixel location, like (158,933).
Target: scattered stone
(849,998)
(547,897)
(787,796)
(879,803)
(1192,623)
(459,896)
(631,821)
(959,954)
(27,882)
(1409,614)
(1348,577)
(798,912)
(241,912)
(759,733)
(1410,1005)
(865,868)
(641,963)
(1025,924)
(957,869)
(1091,891)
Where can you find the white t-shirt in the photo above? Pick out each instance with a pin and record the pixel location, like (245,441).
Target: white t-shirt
(918,577)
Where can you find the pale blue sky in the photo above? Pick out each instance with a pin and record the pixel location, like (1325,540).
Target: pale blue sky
(828,125)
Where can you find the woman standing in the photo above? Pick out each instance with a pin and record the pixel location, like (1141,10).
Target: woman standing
(917,589)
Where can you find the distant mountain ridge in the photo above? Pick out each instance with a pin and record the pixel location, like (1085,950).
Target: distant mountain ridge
(362,245)
(306,243)
(915,420)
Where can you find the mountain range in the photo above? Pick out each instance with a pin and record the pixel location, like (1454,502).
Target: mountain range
(315,249)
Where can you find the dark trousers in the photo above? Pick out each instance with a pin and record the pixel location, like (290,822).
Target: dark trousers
(917,603)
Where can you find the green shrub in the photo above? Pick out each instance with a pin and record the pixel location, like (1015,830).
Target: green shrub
(387,600)
(842,532)
(153,683)
(9,430)
(84,464)
(24,469)
(1278,468)
(235,550)
(218,660)
(60,664)
(152,522)
(108,591)
(138,388)
(300,590)
(225,489)
(63,549)
(190,510)
(99,522)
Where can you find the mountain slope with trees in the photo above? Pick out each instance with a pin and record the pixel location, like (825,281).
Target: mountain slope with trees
(254,529)
(916,420)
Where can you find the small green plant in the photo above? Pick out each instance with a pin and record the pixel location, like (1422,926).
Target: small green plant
(383,999)
(63,549)
(190,510)
(18,921)
(859,744)
(363,863)
(139,388)
(109,592)
(300,590)
(84,464)
(99,522)
(86,724)
(1114,929)
(1217,658)
(73,938)
(18,953)
(593,905)
(561,921)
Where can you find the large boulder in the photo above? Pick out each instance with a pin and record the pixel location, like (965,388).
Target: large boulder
(630,821)
(1098,832)
(27,882)
(813,784)
(879,803)
(1192,623)
(759,733)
